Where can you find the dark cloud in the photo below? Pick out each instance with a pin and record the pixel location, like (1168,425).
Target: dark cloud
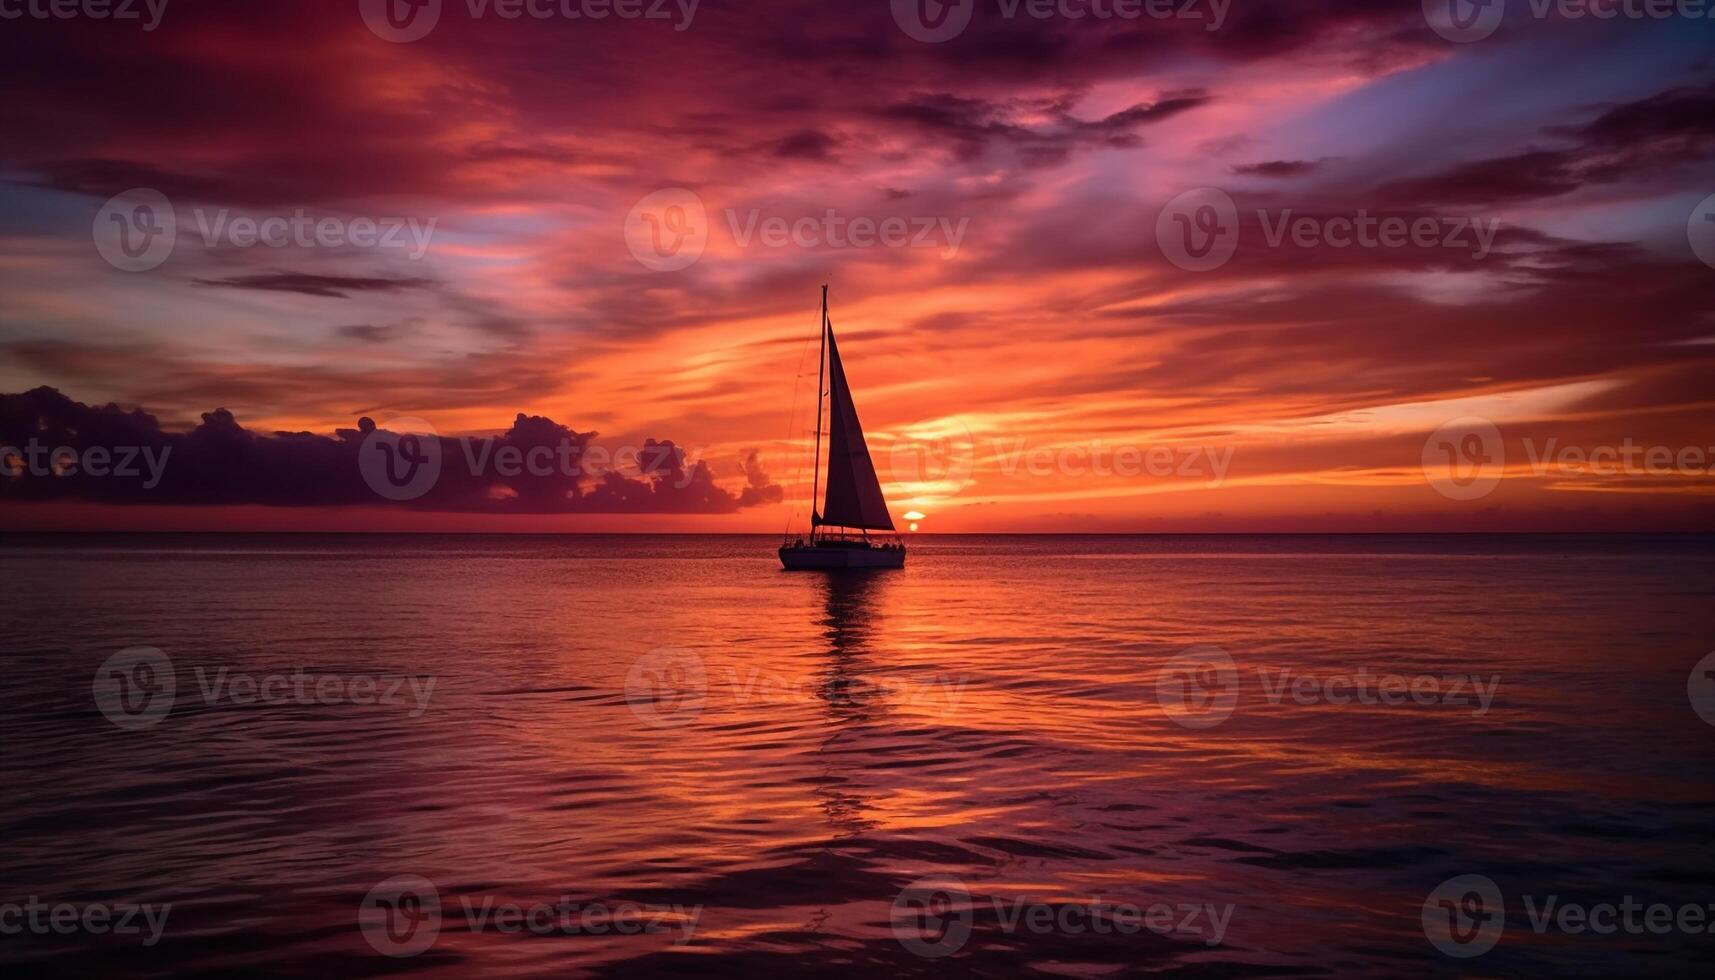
(105,177)
(1278,168)
(349,116)
(1633,141)
(537,466)
(975,126)
(178,381)
(1151,112)
(1684,116)
(758,487)
(1316,343)
(1520,177)
(371,333)
(807,144)
(316,285)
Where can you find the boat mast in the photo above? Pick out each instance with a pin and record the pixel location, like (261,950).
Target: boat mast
(816,463)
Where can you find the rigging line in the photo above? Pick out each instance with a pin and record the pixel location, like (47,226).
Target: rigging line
(791,424)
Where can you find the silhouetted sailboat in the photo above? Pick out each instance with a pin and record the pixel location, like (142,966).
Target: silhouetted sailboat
(840,531)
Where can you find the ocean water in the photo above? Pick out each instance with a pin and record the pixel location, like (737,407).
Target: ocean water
(1065,756)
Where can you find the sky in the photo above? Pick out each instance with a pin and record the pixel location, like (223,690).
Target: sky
(1206,266)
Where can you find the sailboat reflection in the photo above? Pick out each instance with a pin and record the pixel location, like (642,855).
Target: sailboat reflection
(853,702)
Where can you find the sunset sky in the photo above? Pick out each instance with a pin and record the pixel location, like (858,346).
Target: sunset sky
(1029,330)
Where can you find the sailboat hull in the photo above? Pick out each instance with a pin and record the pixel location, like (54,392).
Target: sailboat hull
(796,558)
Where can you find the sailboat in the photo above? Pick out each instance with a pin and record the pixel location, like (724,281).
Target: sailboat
(853,506)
